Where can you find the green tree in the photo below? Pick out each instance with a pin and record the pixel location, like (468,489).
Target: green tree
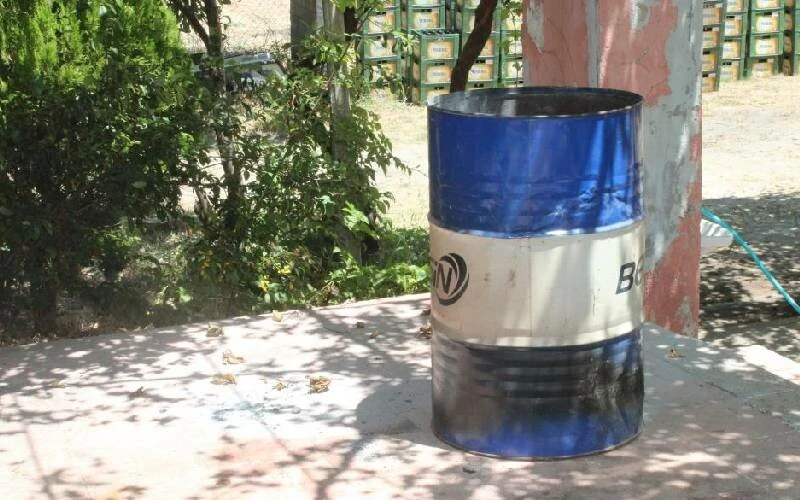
(302,154)
(96,128)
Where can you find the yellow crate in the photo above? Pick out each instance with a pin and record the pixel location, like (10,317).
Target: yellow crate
(730,71)
(512,45)
(710,60)
(789,42)
(789,3)
(766,22)
(791,65)
(433,73)
(423,19)
(488,49)
(377,47)
(388,68)
(511,83)
(762,69)
(424,3)
(512,68)
(734,25)
(482,71)
(765,4)
(380,22)
(710,38)
(469,4)
(512,23)
(733,48)
(446,48)
(712,14)
(481,85)
(788,21)
(765,46)
(709,82)
(424,94)
(736,5)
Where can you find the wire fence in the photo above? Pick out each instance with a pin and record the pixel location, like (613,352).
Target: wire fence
(252,26)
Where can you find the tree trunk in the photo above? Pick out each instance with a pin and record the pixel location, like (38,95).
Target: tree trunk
(484,15)
(333,20)
(339,25)
(303,15)
(205,20)
(43,292)
(232,172)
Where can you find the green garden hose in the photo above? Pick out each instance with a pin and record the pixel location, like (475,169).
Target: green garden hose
(708,214)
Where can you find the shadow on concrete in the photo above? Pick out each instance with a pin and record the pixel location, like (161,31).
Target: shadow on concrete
(705,435)
(714,426)
(733,291)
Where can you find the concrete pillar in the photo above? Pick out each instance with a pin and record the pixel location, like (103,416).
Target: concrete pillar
(652,47)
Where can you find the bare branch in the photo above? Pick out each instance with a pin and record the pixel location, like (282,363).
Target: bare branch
(191,17)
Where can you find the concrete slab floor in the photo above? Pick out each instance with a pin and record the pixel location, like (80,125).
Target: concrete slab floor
(781,336)
(137,416)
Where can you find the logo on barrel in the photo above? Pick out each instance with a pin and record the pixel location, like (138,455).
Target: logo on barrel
(450,278)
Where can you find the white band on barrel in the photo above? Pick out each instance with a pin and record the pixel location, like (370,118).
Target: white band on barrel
(537,292)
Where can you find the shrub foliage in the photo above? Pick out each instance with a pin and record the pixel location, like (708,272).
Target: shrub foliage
(95,129)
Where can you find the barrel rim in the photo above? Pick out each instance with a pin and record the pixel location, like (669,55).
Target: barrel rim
(620,226)
(438,104)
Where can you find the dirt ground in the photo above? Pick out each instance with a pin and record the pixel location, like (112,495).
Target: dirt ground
(252,25)
(751,179)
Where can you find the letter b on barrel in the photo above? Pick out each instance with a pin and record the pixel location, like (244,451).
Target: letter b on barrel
(630,275)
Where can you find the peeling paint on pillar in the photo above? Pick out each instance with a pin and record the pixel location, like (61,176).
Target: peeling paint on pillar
(651,47)
(556,36)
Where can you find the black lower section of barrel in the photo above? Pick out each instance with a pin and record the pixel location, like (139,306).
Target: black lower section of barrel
(538,403)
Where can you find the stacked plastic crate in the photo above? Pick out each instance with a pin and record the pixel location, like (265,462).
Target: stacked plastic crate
(422,15)
(765,38)
(713,17)
(483,73)
(511,50)
(791,38)
(434,56)
(377,45)
(734,40)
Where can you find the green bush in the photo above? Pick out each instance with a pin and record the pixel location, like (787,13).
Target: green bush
(308,225)
(97,125)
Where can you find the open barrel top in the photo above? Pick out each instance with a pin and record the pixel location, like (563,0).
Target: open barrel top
(535,102)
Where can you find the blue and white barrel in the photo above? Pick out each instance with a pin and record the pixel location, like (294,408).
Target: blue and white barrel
(536,247)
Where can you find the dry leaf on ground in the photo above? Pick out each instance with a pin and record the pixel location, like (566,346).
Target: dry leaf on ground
(319,384)
(214,331)
(137,393)
(426,311)
(280,385)
(674,353)
(58,384)
(277,316)
(223,379)
(425,332)
(231,359)
(374,335)
(359,324)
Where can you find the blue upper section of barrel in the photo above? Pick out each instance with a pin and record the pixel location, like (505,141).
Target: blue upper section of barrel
(535,161)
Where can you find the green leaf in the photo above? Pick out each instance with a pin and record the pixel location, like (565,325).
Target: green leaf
(140,184)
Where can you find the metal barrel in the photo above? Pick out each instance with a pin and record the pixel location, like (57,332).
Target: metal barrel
(536,251)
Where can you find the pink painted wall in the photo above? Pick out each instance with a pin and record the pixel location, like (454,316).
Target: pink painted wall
(651,47)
